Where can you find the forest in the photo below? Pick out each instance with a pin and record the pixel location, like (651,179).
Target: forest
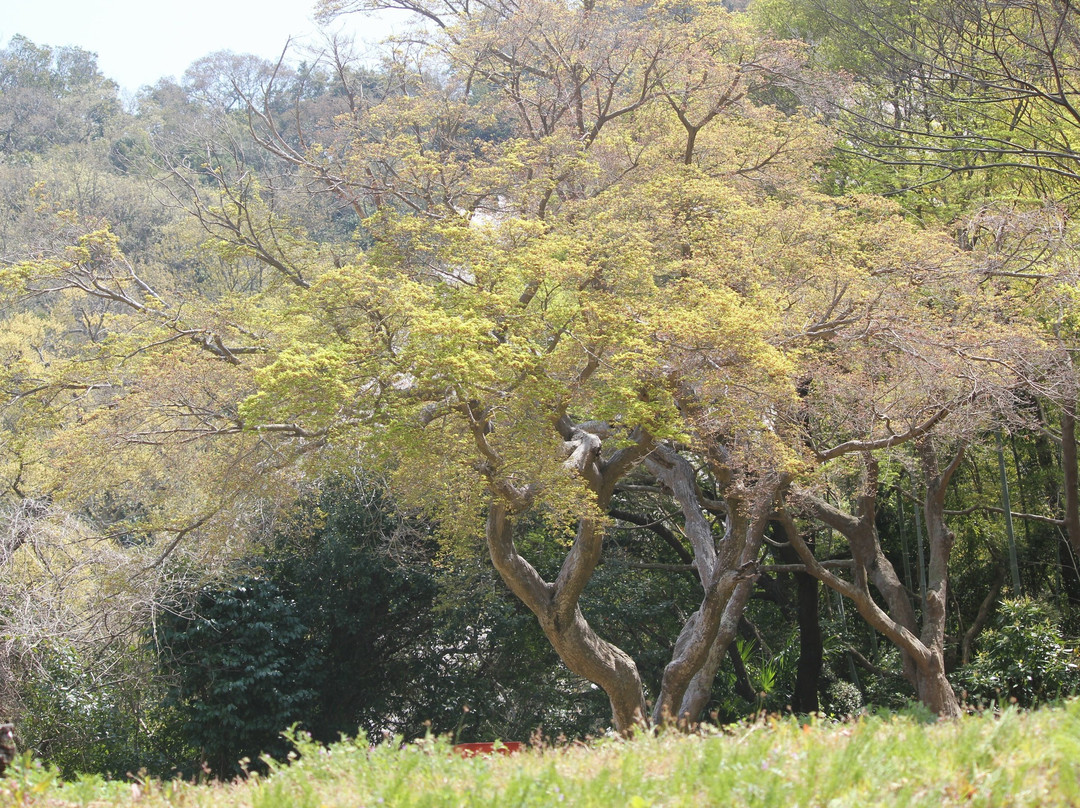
(573,367)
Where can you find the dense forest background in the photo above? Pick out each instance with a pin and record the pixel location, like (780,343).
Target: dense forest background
(572,366)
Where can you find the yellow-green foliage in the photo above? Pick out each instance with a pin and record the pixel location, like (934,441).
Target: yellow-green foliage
(666,269)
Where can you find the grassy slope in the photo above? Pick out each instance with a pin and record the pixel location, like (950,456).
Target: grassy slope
(1016,759)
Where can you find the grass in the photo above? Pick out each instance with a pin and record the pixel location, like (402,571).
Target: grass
(1014,759)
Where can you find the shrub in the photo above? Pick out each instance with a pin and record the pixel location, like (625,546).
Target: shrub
(242,672)
(94,712)
(1023,659)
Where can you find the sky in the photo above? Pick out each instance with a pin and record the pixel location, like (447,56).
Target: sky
(141,41)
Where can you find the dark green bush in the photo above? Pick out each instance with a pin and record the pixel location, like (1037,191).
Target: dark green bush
(1023,659)
(242,672)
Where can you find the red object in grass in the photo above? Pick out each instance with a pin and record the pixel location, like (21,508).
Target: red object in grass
(487,748)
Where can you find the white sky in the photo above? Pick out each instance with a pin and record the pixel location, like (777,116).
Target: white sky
(141,41)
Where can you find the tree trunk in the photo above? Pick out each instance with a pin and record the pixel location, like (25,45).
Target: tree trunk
(725,598)
(1055,492)
(861,532)
(696,643)
(699,691)
(934,689)
(602,663)
(924,657)
(579,647)
(1069,477)
(931,685)
(726,577)
(804,698)
(883,576)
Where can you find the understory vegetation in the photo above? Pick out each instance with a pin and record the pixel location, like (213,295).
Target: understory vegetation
(1014,758)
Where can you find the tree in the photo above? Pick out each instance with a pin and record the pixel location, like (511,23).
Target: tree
(76,679)
(951,90)
(590,254)
(51,97)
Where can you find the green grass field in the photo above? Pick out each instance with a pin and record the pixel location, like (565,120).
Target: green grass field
(1012,759)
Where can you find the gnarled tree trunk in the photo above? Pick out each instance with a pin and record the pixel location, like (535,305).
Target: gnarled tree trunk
(934,688)
(555,604)
(923,651)
(728,585)
(579,647)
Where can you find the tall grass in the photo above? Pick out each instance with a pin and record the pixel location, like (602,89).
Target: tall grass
(1015,758)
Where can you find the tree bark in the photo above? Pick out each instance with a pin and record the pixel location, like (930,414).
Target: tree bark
(579,647)
(1069,477)
(861,532)
(728,589)
(923,652)
(700,689)
(934,689)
